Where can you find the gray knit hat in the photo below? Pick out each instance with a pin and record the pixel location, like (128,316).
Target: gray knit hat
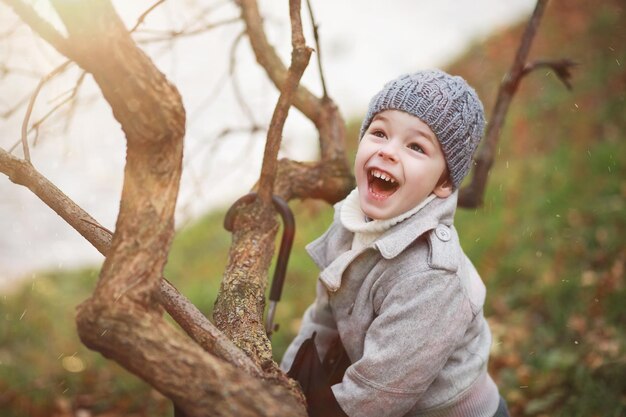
(447,104)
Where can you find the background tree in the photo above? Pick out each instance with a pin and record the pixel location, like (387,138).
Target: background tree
(226,365)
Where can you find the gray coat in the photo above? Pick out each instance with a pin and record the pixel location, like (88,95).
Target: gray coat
(409,311)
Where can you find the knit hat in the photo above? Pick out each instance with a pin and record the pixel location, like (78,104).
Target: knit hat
(447,104)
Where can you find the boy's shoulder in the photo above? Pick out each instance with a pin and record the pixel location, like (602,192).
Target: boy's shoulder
(438,248)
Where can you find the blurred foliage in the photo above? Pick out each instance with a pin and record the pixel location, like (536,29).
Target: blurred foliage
(549,243)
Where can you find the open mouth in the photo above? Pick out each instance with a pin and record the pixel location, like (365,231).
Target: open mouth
(381,184)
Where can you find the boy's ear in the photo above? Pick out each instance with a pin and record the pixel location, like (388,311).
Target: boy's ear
(444,188)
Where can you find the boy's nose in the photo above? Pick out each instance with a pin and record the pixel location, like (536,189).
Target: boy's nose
(389,151)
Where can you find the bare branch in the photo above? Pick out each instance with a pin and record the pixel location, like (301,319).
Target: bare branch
(318,48)
(562,68)
(166,36)
(23,173)
(234,82)
(299,60)
(145,14)
(58,70)
(98,225)
(267,57)
(472,195)
(324,180)
(8,113)
(322,112)
(72,95)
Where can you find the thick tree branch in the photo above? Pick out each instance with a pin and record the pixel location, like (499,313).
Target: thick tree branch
(239,308)
(202,330)
(324,180)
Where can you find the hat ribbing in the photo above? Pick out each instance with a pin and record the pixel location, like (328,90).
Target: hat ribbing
(447,104)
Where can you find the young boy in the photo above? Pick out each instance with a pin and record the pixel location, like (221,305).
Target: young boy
(395,285)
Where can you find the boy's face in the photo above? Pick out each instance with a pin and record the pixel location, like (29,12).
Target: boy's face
(398,164)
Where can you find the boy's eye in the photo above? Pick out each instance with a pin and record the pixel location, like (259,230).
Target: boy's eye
(415,147)
(378,133)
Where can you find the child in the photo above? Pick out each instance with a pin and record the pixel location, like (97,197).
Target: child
(395,285)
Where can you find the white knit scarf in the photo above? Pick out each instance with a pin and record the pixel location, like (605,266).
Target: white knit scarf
(365,230)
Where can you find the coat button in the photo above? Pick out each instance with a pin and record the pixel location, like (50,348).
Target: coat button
(442,233)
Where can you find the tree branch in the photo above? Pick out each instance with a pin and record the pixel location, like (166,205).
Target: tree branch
(562,68)
(322,112)
(145,14)
(472,195)
(72,95)
(164,36)
(240,304)
(202,330)
(318,48)
(235,84)
(300,56)
(23,173)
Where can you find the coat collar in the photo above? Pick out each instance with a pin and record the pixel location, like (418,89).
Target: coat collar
(398,238)
(392,243)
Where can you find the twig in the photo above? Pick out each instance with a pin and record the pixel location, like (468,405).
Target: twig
(98,225)
(66,100)
(318,47)
(170,35)
(300,56)
(145,14)
(247,111)
(8,113)
(562,68)
(58,70)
